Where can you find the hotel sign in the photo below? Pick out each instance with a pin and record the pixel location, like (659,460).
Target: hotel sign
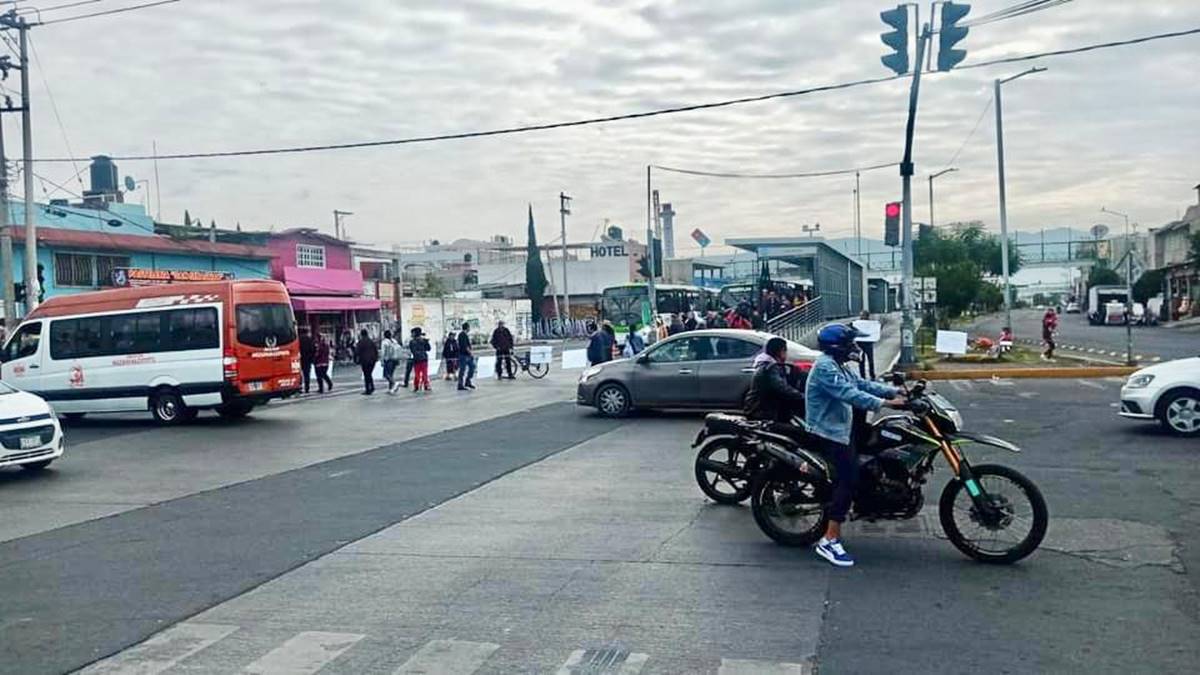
(609,251)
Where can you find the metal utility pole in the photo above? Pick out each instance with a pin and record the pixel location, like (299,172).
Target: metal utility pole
(1128,286)
(931,177)
(650,245)
(858,214)
(907,353)
(564,209)
(32,289)
(6,253)
(1003,198)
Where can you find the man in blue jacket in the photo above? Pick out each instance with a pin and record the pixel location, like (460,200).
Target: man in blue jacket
(831,394)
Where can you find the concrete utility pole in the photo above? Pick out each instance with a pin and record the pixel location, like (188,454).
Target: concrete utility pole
(32,289)
(1003,199)
(858,215)
(564,209)
(337,222)
(6,253)
(650,246)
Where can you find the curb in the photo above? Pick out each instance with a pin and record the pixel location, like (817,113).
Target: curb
(1024,373)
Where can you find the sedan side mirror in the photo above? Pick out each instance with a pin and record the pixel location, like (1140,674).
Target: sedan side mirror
(643,359)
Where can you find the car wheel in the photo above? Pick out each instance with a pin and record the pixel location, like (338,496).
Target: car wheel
(34,467)
(612,400)
(168,408)
(1179,412)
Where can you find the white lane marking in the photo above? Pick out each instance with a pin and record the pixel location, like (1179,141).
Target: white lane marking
(632,665)
(304,653)
(163,650)
(753,667)
(1093,385)
(957,384)
(448,657)
(1027,394)
(1002,383)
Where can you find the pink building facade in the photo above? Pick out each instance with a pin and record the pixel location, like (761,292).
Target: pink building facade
(326,290)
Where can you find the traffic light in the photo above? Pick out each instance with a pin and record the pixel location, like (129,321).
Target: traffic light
(41,277)
(950,34)
(891,224)
(644,267)
(896,39)
(658,259)
(19,291)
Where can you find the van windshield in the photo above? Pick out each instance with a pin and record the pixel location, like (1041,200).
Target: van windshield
(266,324)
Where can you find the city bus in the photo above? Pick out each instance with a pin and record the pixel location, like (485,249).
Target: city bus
(172,349)
(628,305)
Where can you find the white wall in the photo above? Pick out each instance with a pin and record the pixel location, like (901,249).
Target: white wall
(435,315)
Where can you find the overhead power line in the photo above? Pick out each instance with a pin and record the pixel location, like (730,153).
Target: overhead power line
(68,5)
(982,113)
(106,12)
(624,117)
(1019,9)
(813,174)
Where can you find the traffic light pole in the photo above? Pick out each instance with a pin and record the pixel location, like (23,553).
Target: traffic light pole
(650,248)
(33,290)
(907,329)
(6,251)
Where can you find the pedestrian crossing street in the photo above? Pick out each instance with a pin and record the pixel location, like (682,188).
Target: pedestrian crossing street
(196,647)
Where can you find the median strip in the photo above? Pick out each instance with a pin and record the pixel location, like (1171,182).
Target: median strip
(1022,373)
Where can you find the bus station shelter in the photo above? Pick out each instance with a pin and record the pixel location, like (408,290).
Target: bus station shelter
(837,278)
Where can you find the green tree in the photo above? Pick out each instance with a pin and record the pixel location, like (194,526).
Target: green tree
(959,261)
(187,218)
(1101,275)
(535,274)
(1148,286)
(1195,248)
(435,287)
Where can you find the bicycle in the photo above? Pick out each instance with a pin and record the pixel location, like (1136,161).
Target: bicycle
(521,363)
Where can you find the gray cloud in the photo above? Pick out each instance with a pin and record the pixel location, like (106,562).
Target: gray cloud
(1114,127)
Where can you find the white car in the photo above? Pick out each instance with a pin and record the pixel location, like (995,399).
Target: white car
(1072,308)
(30,435)
(1168,392)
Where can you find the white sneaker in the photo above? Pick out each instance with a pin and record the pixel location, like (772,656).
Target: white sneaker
(833,551)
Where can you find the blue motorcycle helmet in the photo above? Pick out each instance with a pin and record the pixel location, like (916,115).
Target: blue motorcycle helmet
(839,341)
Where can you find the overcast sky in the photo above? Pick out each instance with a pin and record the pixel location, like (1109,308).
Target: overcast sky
(1115,127)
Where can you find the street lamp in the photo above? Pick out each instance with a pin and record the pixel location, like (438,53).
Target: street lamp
(1128,285)
(810,230)
(931,177)
(1003,203)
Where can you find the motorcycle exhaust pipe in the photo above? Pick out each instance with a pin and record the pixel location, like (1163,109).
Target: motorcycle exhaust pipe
(723,469)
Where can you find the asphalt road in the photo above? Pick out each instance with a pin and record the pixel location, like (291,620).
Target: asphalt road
(601,556)
(1149,342)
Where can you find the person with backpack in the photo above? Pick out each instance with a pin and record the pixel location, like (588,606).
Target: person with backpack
(419,348)
(389,353)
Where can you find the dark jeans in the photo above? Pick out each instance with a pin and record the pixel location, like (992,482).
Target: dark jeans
(844,459)
(306,370)
(503,360)
(368,370)
(408,367)
(466,370)
(389,371)
(323,379)
(868,358)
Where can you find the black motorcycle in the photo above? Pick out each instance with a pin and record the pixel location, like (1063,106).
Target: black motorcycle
(989,512)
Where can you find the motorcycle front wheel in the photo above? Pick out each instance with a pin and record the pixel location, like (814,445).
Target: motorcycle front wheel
(1015,531)
(720,471)
(788,509)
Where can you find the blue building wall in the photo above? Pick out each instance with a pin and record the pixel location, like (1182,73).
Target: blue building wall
(124,219)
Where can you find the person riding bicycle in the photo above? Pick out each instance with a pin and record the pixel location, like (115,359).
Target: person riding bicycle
(831,394)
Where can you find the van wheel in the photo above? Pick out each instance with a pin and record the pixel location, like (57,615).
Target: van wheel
(168,408)
(235,411)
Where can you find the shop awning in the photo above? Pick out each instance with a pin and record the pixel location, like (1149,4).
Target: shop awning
(332,303)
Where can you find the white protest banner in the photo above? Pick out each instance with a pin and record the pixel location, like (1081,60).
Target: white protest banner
(869,328)
(541,354)
(574,358)
(434,364)
(485,364)
(951,342)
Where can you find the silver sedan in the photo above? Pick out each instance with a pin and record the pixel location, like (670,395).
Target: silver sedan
(700,369)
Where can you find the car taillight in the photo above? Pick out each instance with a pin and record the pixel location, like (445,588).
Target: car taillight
(804,366)
(230,364)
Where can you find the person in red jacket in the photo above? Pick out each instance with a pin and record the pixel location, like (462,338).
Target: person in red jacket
(1049,328)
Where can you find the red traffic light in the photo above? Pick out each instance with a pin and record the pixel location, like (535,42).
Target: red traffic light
(892,210)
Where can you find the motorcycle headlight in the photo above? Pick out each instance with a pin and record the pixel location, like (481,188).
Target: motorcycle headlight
(589,374)
(956,417)
(1139,381)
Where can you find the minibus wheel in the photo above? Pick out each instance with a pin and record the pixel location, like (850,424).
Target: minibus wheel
(168,408)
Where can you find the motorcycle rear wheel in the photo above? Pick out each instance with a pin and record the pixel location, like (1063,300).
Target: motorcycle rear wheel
(720,488)
(788,509)
(1023,525)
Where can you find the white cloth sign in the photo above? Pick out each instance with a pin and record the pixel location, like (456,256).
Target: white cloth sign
(541,354)
(574,358)
(951,342)
(870,329)
(434,364)
(485,364)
